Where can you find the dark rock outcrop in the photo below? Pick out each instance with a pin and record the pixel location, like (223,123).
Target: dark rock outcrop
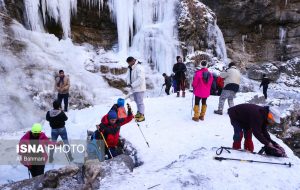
(259,30)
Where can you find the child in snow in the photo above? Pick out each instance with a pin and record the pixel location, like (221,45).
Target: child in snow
(250,118)
(201,88)
(265,84)
(168,83)
(110,129)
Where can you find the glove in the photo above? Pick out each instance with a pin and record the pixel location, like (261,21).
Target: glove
(129,112)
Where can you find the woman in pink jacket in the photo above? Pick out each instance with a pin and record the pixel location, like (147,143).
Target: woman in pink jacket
(201,88)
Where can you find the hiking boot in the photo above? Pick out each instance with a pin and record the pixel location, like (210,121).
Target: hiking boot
(196,113)
(141,118)
(203,111)
(218,112)
(178,94)
(137,115)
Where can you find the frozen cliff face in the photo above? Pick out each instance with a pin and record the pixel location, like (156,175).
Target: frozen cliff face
(29,63)
(259,31)
(198,30)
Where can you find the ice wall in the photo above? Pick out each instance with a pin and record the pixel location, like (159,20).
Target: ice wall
(215,38)
(147,29)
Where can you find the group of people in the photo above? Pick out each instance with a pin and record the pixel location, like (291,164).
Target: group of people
(246,119)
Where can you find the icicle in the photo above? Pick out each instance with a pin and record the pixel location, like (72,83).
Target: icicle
(2,4)
(33,15)
(217,42)
(243,41)
(282,34)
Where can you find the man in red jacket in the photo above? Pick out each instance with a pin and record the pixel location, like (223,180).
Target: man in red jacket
(110,128)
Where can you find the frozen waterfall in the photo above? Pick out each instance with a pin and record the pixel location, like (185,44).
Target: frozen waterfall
(147,29)
(216,39)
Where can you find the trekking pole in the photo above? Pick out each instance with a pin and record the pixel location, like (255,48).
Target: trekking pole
(106,145)
(28,173)
(192,105)
(142,133)
(220,150)
(252,161)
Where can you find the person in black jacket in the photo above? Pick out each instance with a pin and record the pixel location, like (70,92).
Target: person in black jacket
(250,118)
(265,84)
(57,118)
(179,69)
(167,83)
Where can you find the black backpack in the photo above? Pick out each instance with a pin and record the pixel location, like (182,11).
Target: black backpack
(206,76)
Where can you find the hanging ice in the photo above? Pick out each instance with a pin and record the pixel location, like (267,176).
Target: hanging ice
(282,34)
(147,28)
(2,4)
(216,41)
(59,10)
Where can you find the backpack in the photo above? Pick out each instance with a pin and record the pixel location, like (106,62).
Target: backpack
(121,111)
(206,76)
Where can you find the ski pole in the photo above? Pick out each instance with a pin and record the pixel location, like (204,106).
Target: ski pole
(220,150)
(28,173)
(106,145)
(192,105)
(142,133)
(251,161)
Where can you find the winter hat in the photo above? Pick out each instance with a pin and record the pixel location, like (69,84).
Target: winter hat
(121,102)
(112,115)
(36,128)
(274,114)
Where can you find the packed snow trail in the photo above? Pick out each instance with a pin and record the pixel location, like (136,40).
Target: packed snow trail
(181,151)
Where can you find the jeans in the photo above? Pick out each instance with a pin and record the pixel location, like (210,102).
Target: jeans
(64,97)
(62,132)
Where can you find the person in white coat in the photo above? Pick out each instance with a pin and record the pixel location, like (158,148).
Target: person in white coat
(136,80)
(232,81)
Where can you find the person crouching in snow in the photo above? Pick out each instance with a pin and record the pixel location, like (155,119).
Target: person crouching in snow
(250,118)
(110,129)
(201,88)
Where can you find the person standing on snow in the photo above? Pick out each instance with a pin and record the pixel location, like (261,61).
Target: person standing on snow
(136,80)
(179,69)
(57,118)
(62,85)
(265,84)
(110,128)
(201,88)
(250,118)
(35,161)
(232,78)
(167,83)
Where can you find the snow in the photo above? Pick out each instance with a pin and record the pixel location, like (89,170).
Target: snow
(181,151)
(27,82)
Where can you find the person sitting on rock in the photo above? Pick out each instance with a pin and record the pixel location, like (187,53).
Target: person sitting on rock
(250,118)
(109,129)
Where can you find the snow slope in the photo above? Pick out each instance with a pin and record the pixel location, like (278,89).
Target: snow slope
(181,151)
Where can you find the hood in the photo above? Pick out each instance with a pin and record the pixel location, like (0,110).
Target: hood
(104,120)
(54,113)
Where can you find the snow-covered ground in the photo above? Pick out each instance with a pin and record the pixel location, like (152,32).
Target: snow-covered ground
(181,151)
